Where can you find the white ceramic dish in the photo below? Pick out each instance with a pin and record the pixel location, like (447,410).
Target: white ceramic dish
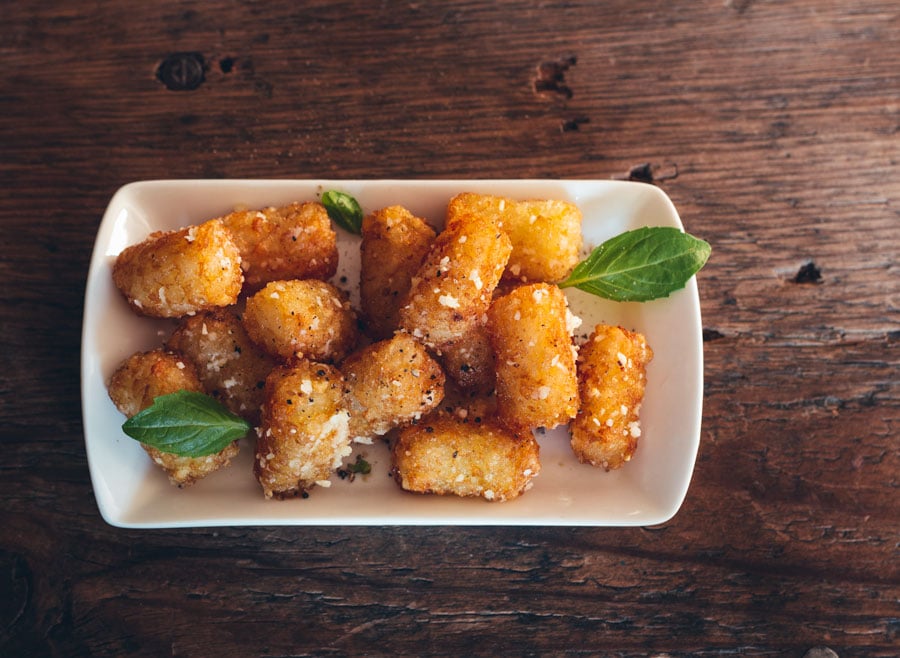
(132,492)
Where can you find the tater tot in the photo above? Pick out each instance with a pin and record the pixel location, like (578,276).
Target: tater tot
(536,380)
(307,319)
(232,368)
(447,456)
(390,384)
(304,433)
(611,376)
(452,289)
(469,360)
(145,376)
(295,241)
(545,234)
(467,406)
(394,243)
(176,273)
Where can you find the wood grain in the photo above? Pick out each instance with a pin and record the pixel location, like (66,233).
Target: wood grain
(772,126)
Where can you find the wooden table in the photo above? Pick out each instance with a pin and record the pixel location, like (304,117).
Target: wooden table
(773,126)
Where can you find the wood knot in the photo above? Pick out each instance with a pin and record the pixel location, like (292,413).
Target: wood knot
(182,71)
(808,273)
(551,77)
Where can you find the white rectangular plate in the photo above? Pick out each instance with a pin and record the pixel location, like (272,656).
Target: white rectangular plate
(132,492)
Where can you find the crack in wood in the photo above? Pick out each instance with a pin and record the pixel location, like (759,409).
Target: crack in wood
(571,125)
(646,172)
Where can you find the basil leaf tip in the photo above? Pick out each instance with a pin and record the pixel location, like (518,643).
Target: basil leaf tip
(640,265)
(187,424)
(344,210)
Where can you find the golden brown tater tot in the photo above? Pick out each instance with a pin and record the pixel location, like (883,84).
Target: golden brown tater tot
(304,433)
(452,289)
(307,319)
(536,381)
(394,242)
(295,241)
(611,375)
(390,384)
(176,273)
(230,365)
(445,455)
(545,234)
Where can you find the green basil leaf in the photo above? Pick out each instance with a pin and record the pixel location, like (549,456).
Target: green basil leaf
(186,423)
(640,265)
(343,209)
(360,466)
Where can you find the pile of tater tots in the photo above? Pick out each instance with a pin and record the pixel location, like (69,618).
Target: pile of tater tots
(461,347)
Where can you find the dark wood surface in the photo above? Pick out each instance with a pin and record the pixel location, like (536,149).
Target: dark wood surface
(773,126)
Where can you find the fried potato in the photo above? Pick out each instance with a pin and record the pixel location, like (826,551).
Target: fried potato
(452,289)
(304,432)
(536,380)
(545,234)
(394,243)
(295,241)
(466,405)
(445,455)
(469,360)
(611,378)
(390,384)
(232,368)
(306,318)
(176,273)
(147,375)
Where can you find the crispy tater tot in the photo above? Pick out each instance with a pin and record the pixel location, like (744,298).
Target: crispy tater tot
(295,241)
(304,433)
(545,234)
(232,368)
(452,289)
(536,381)
(445,455)
(394,243)
(611,377)
(147,375)
(390,384)
(176,273)
(469,360)
(466,405)
(307,319)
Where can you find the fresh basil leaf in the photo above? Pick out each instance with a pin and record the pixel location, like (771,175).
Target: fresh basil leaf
(343,209)
(640,265)
(186,423)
